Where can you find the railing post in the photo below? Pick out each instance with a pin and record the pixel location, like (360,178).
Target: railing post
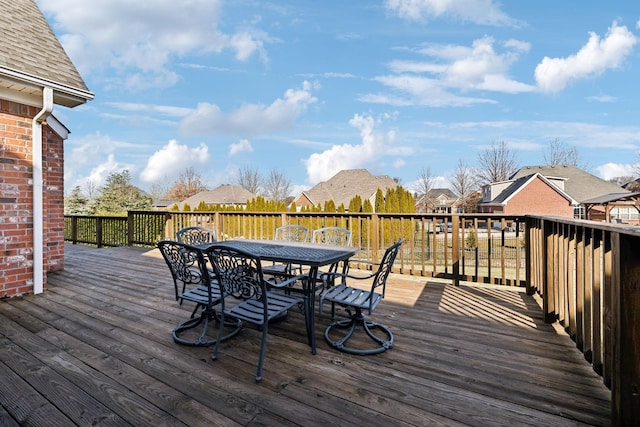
(99,231)
(375,237)
(528,230)
(625,386)
(74,229)
(129,228)
(455,249)
(549,254)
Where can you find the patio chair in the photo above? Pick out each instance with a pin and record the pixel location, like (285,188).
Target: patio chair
(289,233)
(332,236)
(196,235)
(189,271)
(240,277)
(357,299)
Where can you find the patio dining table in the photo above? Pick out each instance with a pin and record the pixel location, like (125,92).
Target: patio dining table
(310,255)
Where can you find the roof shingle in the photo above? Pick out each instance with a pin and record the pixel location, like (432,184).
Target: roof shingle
(31,56)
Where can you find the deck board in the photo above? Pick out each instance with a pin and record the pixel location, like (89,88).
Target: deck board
(96,348)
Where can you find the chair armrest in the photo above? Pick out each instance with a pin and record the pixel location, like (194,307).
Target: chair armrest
(289,281)
(326,277)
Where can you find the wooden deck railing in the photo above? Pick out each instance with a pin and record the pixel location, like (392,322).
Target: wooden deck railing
(488,249)
(589,277)
(587,273)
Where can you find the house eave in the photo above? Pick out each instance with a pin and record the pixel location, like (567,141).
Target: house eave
(27,88)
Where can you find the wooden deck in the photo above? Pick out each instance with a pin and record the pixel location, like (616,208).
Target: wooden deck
(96,349)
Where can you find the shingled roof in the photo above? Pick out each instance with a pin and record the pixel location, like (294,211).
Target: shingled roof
(226,194)
(31,57)
(346,184)
(578,184)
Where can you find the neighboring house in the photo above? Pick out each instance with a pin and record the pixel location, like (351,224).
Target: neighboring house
(343,187)
(562,190)
(35,75)
(225,195)
(531,194)
(438,200)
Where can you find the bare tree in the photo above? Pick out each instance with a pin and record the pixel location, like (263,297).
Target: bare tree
(188,183)
(425,185)
(249,179)
(497,163)
(91,189)
(277,187)
(558,153)
(464,182)
(160,188)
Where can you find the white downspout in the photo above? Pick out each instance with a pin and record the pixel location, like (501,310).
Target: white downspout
(38,211)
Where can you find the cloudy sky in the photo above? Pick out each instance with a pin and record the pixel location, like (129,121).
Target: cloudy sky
(309,88)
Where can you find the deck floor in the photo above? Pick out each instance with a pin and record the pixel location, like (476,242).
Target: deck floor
(96,349)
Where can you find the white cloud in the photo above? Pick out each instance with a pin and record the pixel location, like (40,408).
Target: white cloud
(173,157)
(250,118)
(615,170)
(479,67)
(593,59)
(144,36)
(483,12)
(96,148)
(375,145)
(244,145)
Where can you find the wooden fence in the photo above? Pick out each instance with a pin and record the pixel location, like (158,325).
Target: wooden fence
(487,249)
(589,277)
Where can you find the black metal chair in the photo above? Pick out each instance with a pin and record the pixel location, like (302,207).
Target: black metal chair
(337,236)
(331,236)
(240,277)
(193,283)
(289,233)
(196,235)
(354,298)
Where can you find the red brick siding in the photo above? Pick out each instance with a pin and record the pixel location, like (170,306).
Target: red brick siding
(16,199)
(538,197)
(53,199)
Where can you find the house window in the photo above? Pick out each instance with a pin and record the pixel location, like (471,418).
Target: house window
(578,212)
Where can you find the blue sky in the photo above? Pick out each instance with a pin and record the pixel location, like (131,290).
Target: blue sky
(309,88)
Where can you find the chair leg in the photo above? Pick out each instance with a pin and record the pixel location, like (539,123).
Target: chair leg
(202,341)
(351,325)
(263,350)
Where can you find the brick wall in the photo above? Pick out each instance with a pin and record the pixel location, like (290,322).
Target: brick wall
(16,199)
(538,198)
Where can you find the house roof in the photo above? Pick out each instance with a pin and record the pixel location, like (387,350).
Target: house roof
(434,193)
(518,184)
(613,197)
(226,194)
(346,184)
(578,184)
(31,57)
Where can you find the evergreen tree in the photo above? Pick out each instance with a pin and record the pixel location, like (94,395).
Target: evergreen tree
(329,206)
(76,203)
(379,206)
(118,196)
(355,204)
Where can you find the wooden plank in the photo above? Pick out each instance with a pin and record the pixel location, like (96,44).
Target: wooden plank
(467,355)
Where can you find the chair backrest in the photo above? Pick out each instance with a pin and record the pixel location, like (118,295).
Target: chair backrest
(239,273)
(385,267)
(187,264)
(332,236)
(196,235)
(292,233)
